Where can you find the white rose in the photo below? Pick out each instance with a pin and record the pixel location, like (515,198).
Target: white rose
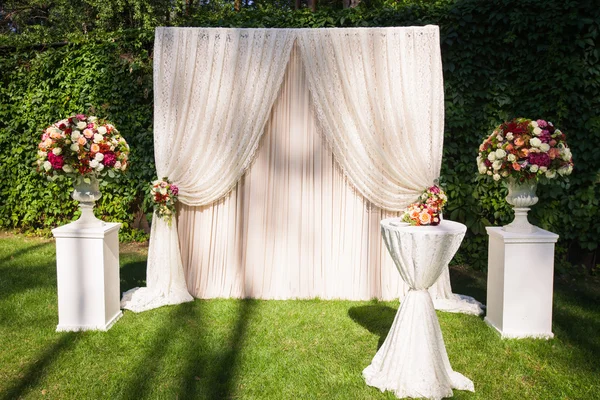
(566,154)
(510,136)
(533,168)
(94,163)
(535,142)
(534,124)
(550,174)
(81,125)
(102,130)
(162,190)
(500,153)
(500,138)
(492,156)
(543,169)
(57,151)
(482,169)
(489,172)
(565,170)
(117,165)
(92,119)
(47,165)
(512,158)
(504,173)
(99,157)
(74,147)
(497,164)
(545,147)
(75,135)
(67,169)
(537,131)
(42,154)
(98,138)
(496,177)
(100,167)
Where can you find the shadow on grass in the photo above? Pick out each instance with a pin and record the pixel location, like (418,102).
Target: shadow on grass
(376,318)
(202,374)
(214,377)
(36,371)
(132,274)
(19,276)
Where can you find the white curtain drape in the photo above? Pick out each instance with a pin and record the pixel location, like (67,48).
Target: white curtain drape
(213,92)
(379,96)
(377,92)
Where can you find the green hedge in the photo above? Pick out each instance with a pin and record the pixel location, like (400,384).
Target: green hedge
(502,59)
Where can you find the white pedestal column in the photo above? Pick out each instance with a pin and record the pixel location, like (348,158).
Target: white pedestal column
(87,266)
(520,283)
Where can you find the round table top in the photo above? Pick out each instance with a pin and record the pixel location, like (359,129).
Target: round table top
(445,227)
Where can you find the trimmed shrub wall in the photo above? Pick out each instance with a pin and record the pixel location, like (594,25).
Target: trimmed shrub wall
(502,59)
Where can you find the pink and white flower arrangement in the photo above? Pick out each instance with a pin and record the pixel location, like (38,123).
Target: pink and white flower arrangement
(165,195)
(525,149)
(82,145)
(428,209)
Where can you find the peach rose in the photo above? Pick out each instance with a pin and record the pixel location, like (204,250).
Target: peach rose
(553,153)
(414,213)
(516,166)
(82,141)
(425,218)
(95,148)
(88,133)
(509,147)
(519,142)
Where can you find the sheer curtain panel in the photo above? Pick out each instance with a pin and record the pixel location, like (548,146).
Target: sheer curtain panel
(213,92)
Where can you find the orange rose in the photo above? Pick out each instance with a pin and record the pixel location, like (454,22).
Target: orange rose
(509,147)
(82,141)
(95,148)
(553,153)
(425,218)
(519,142)
(516,166)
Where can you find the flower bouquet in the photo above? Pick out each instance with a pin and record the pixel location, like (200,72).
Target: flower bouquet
(82,145)
(164,194)
(525,149)
(428,209)
(84,148)
(524,152)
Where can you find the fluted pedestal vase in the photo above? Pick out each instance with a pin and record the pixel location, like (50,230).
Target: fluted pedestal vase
(521,195)
(86,192)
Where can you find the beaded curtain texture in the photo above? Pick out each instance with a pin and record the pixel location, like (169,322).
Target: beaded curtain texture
(377,94)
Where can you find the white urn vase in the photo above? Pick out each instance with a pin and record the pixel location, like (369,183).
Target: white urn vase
(86,192)
(521,195)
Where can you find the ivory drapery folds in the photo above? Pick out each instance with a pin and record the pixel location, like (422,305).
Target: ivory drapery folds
(377,92)
(213,92)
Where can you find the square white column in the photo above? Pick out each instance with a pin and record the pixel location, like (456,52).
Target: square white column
(520,283)
(87,267)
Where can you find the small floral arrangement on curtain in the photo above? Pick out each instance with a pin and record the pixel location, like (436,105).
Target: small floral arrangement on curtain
(525,149)
(81,145)
(164,194)
(428,209)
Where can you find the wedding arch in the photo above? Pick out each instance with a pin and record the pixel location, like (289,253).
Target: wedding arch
(288,147)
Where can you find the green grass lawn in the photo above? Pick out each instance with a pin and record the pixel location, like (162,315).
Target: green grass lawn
(254,349)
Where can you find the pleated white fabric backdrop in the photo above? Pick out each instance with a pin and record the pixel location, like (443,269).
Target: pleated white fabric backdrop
(378,97)
(293,227)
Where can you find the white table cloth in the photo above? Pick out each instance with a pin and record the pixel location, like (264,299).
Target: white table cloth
(413,362)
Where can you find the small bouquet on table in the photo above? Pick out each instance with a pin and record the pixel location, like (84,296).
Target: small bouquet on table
(428,210)
(85,149)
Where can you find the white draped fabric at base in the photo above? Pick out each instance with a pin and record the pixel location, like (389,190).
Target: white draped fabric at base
(413,362)
(163,288)
(378,95)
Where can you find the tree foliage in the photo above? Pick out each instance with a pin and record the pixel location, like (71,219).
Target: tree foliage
(502,59)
